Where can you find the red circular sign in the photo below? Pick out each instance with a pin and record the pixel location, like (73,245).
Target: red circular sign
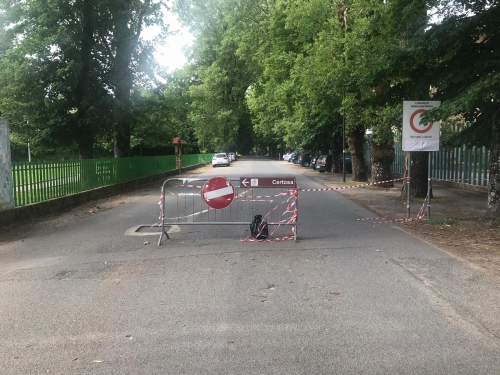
(425,130)
(218,193)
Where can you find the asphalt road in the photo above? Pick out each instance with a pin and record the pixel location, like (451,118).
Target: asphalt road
(347,298)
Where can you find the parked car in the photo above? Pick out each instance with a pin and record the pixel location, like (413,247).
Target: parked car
(305,159)
(348,164)
(314,160)
(290,159)
(324,163)
(232,156)
(286,157)
(295,158)
(221,159)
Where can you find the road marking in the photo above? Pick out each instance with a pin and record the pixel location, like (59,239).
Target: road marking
(134,230)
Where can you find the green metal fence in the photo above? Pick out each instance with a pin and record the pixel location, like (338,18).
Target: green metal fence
(462,164)
(36,182)
(196,159)
(399,160)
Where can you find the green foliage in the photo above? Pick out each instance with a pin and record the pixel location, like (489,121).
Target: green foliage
(220,78)
(459,59)
(67,68)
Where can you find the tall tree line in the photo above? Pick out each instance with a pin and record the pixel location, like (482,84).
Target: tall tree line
(70,69)
(304,67)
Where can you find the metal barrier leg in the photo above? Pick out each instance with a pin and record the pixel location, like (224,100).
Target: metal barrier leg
(297,216)
(161,235)
(162,213)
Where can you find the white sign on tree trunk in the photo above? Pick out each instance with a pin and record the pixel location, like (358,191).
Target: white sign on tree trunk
(417,136)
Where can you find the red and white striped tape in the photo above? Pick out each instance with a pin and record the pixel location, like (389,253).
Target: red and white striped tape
(251,239)
(285,193)
(290,202)
(191,186)
(353,186)
(160,202)
(293,193)
(420,215)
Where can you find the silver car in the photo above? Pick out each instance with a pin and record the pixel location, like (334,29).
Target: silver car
(232,156)
(221,159)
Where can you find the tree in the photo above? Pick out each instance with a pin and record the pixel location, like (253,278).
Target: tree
(163,113)
(68,68)
(127,56)
(84,89)
(407,21)
(50,82)
(463,69)
(383,154)
(220,77)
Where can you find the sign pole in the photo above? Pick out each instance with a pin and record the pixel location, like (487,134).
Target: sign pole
(418,136)
(429,187)
(343,148)
(296,218)
(408,187)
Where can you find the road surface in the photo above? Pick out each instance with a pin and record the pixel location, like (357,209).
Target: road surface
(347,298)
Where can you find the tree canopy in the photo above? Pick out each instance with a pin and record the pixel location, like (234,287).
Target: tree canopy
(68,68)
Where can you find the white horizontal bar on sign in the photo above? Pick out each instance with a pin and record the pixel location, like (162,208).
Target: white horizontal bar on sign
(167,224)
(218,193)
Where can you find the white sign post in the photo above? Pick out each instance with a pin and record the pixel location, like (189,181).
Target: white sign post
(419,137)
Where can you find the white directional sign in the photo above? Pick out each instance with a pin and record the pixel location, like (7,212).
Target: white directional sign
(417,136)
(267,182)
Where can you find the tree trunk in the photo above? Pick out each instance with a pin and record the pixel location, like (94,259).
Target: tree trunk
(418,175)
(83,96)
(86,143)
(123,84)
(382,158)
(493,210)
(336,157)
(122,141)
(337,163)
(126,42)
(356,139)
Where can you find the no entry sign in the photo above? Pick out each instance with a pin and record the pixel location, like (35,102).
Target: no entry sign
(419,136)
(218,193)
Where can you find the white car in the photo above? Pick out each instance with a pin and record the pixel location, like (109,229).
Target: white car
(221,159)
(232,156)
(287,156)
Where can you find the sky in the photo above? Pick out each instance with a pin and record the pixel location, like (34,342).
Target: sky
(170,55)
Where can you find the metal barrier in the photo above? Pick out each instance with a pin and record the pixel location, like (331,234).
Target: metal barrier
(184,202)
